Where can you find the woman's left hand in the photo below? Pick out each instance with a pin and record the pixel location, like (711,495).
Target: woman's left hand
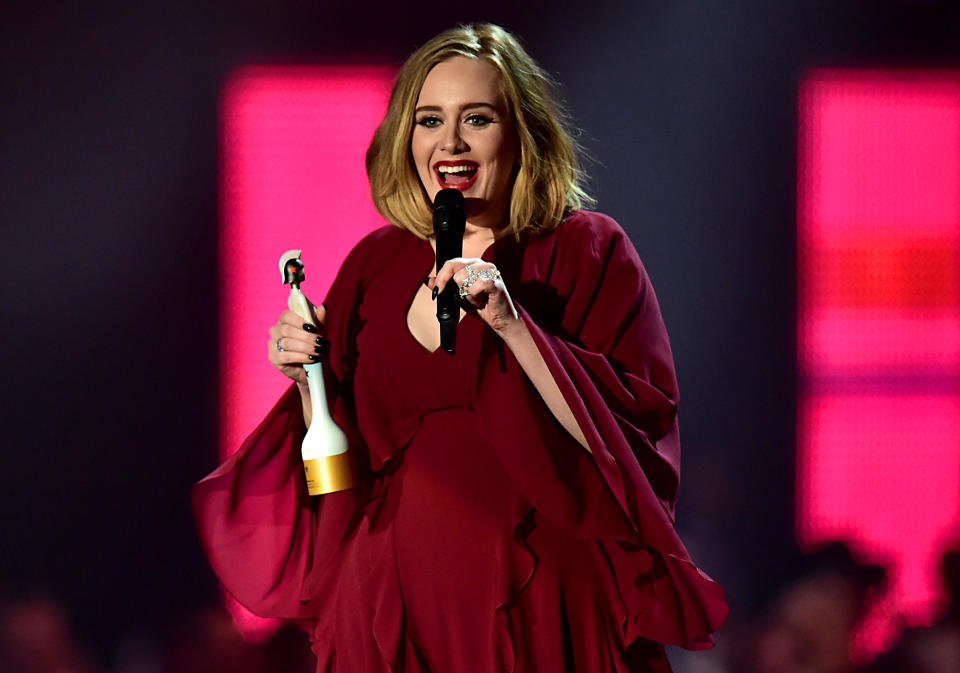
(482,287)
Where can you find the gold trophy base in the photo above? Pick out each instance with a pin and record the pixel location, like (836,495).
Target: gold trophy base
(329,474)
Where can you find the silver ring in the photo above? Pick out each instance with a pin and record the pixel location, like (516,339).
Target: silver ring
(279,347)
(473,276)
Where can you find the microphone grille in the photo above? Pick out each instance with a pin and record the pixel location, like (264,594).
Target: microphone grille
(448,198)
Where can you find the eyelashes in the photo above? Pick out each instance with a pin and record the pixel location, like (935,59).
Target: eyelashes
(475,120)
(479,120)
(429,122)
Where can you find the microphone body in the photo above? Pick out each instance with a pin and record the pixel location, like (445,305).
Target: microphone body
(449,221)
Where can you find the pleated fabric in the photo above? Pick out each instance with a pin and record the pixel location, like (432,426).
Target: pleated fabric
(482,537)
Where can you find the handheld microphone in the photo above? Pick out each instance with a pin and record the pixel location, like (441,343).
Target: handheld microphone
(449,221)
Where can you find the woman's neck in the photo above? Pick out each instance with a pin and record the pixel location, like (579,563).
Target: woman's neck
(477,239)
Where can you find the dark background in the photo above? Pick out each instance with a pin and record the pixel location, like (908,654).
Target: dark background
(108,204)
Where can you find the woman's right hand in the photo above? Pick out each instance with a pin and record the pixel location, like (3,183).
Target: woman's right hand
(299,346)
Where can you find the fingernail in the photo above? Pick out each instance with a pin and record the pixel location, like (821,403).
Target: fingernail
(318,350)
(310,328)
(313,358)
(436,291)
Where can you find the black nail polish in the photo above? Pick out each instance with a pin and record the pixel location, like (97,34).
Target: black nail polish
(310,328)
(320,341)
(313,358)
(318,350)
(436,291)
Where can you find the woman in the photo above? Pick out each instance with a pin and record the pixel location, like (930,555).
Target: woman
(517,499)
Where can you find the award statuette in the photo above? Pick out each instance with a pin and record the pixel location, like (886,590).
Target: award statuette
(326,460)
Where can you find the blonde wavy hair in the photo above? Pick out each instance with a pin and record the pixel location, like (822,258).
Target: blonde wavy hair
(548,182)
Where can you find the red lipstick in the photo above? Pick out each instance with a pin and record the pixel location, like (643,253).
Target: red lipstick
(458,175)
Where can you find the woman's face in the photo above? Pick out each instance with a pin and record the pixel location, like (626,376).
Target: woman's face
(464,138)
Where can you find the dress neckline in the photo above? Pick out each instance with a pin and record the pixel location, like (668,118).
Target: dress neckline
(423,255)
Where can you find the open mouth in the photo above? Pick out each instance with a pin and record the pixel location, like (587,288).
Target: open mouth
(456,174)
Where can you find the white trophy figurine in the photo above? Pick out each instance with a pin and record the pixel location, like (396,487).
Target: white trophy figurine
(326,460)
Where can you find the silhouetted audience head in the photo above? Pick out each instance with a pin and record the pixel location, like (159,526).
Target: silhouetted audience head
(935,649)
(36,637)
(808,627)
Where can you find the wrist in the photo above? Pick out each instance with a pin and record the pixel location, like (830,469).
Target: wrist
(512,329)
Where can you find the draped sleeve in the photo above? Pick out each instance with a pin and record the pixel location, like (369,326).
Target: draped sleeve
(593,314)
(588,303)
(262,533)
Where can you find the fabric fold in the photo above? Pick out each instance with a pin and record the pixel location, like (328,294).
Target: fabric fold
(257,500)
(583,544)
(604,342)
(516,565)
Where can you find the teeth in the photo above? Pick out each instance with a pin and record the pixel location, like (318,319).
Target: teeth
(455,169)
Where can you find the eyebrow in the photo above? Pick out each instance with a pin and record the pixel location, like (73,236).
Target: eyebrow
(468,106)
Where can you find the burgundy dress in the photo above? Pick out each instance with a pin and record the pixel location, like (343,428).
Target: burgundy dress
(483,537)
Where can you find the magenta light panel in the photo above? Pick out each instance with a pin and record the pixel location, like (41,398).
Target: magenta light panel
(879,331)
(292,177)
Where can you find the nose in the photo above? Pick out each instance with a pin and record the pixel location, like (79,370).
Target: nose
(452,141)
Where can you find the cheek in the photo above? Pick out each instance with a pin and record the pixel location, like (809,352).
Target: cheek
(421,144)
(416,150)
(421,157)
(421,164)
(505,154)
(505,159)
